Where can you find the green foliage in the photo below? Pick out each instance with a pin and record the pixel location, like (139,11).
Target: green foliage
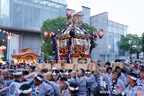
(50,25)
(131,40)
(142,40)
(54,25)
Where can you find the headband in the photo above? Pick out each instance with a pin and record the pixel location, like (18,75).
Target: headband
(134,78)
(67,73)
(17,73)
(24,91)
(54,73)
(73,89)
(39,78)
(115,72)
(63,81)
(87,72)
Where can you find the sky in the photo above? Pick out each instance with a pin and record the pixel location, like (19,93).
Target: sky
(127,12)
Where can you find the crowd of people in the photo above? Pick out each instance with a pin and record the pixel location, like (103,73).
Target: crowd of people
(104,81)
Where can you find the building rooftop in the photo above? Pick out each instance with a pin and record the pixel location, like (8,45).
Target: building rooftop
(117,23)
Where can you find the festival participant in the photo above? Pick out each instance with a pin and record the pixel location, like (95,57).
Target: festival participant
(44,71)
(55,75)
(3,84)
(55,82)
(73,78)
(135,69)
(15,85)
(41,88)
(108,71)
(64,87)
(121,75)
(140,81)
(32,69)
(68,74)
(25,90)
(107,64)
(82,82)
(112,81)
(10,74)
(131,89)
(90,81)
(73,89)
(61,73)
(126,70)
(99,77)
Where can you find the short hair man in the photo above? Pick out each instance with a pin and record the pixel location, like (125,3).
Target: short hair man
(41,88)
(64,87)
(131,88)
(73,89)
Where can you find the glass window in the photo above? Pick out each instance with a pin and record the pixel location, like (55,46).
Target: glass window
(17,14)
(116,42)
(111,43)
(115,30)
(46,13)
(28,16)
(37,15)
(4,13)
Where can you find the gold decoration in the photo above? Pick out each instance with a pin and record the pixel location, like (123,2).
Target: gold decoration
(52,33)
(76,18)
(95,33)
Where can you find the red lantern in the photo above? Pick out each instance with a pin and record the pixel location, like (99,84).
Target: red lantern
(101,33)
(1,51)
(68,13)
(46,34)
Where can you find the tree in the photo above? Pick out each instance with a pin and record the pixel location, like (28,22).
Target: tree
(131,43)
(143,44)
(54,25)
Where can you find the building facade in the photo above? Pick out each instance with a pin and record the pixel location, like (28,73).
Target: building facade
(22,20)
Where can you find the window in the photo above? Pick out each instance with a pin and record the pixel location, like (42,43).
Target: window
(116,42)
(116,30)
(111,43)
(102,58)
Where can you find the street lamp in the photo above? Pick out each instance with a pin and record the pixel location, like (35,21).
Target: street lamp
(109,46)
(9,37)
